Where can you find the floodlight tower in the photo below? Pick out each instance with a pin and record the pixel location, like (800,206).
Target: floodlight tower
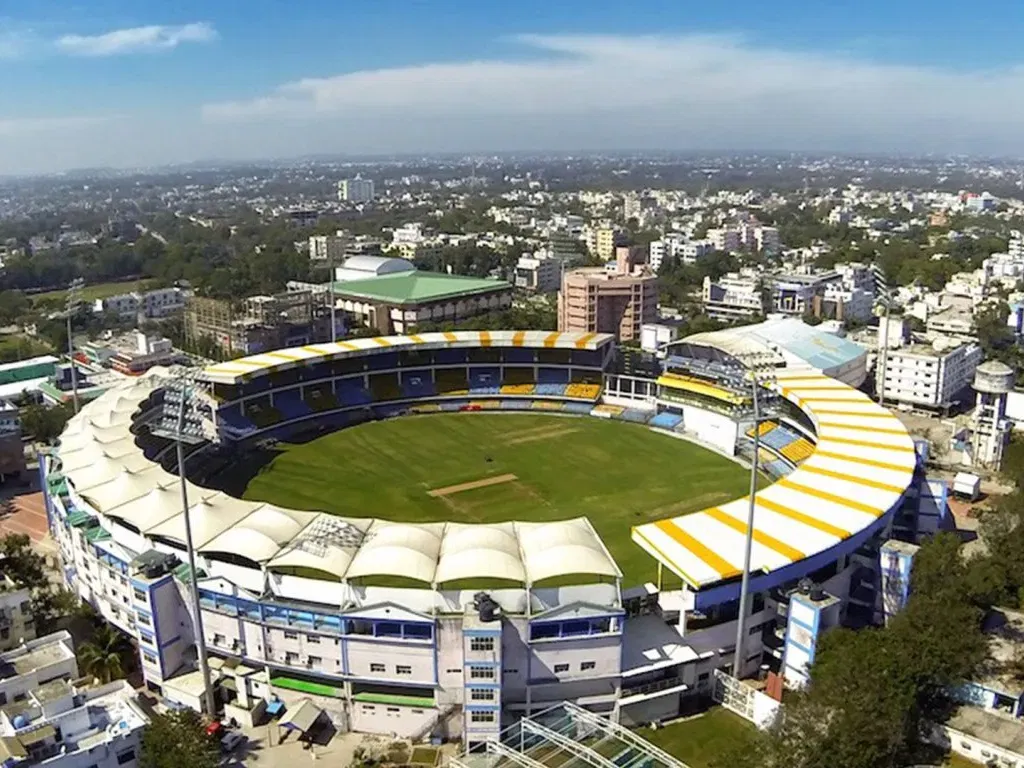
(71,304)
(182,422)
(760,373)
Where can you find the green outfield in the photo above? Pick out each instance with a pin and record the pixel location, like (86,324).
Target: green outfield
(486,468)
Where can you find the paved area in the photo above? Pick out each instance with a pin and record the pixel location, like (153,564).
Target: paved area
(27,515)
(262,747)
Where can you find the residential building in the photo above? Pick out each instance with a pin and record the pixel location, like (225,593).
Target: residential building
(766,240)
(146,352)
(724,239)
(604,240)
(17,624)
(537,273)
(160,302)
(49,718)
(598,300)
(800,294)
(402,301)
(929,376)
(328,247)
(357,190)
(12,453)
(734,296)
(695,249)
(668,249)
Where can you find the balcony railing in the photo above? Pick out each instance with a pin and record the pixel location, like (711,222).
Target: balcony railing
(646,688)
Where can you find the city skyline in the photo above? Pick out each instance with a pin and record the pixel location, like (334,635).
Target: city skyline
(118,85)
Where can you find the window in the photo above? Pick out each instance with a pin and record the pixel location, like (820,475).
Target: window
(291,635)
(481,717)
(481,694)
(5,633)
(126,757)
(511,671)
(140,595)
(402,669)
(313,639)
(481,643)
(144,620)
(3,698)
(219,639)
(20,696)
(393,709)
(290,657)
(481,673)
(375,667)
(316,660)
(454,671)
(587,665)
(149,658)
(560,668)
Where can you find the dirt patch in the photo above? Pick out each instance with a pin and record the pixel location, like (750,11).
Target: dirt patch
(448,490)
(547,434)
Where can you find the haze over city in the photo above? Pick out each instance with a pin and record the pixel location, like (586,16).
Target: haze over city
(117,84)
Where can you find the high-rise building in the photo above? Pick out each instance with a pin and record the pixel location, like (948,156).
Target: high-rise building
(596,300)
(357,190)
(328,248)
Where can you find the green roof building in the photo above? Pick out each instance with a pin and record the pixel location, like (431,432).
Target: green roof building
(401,302)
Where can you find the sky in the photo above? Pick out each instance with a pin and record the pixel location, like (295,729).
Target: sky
(119,83)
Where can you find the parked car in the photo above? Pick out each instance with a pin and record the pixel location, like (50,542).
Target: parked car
(232,741)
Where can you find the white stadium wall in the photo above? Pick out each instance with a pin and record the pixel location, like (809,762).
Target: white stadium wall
(712,428)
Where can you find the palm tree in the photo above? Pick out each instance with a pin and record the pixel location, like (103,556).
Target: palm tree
(102,656)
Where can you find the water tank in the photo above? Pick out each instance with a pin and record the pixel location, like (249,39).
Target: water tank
(994,377)
(19,722)
(486,607)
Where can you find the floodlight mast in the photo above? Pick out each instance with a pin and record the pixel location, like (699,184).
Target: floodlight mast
(757,376)
(185,382)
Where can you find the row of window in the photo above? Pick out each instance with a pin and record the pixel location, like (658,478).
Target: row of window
(482,716)
(585,666)
(481,643)
(400,669)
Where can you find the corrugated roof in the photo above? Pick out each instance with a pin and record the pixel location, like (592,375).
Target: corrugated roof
(416,287)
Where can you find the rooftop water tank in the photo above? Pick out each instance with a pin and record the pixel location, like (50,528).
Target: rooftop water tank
(994,377)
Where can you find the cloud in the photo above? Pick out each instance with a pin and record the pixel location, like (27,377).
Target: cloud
(667,91)
(136,40)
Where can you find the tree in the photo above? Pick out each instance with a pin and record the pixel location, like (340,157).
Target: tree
(22,563)
(178,739)
(103,656)
(43,423)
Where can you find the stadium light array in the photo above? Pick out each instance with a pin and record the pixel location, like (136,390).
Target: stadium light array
(759,371)
(182,421)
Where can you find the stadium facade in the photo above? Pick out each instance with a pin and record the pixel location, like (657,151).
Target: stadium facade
(456,630)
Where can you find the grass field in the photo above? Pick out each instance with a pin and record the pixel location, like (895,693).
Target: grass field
(698,740)
(90,293)
(617,474)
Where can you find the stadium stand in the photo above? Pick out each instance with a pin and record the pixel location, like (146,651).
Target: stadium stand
(583,391)
(798,450)
(635,415)
(667,420)
(291,405)
(484,380)
(233,419)
(261,413)
(581,408)
(351,392)
(546,405)
(610,410)
(319,397)
(417,384)
(763,428)
(518,381)
(452,381)
(384,387)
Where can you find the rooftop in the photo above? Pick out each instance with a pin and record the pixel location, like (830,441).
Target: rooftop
(988,726)
(417,287)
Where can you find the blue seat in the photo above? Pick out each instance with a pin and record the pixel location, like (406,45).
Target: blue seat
(552,376)
(666,420)
(233,418)
(484,380)
(418,385)
(291,405)
(351,392)
(550,389)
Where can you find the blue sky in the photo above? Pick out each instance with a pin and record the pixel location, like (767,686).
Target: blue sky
(108,82)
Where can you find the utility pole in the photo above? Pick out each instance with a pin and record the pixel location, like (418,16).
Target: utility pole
(330,288)
(70,307)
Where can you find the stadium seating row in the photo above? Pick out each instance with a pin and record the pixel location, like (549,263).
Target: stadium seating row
(799,450)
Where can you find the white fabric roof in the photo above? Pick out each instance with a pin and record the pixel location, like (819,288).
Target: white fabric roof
(102,463)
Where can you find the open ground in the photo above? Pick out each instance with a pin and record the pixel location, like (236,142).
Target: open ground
(617,474)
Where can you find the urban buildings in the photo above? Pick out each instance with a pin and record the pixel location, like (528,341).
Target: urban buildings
(157,303)
(17,625)
(328,247)
(25,375)
(367,267)
(51,717)
(402,301)
(260,322)
(538,273)
(734,296)
(928,375)
(603,241)
(597,300)
(357,190)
